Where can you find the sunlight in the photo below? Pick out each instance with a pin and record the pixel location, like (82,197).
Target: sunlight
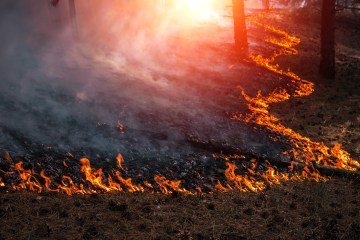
(191,11)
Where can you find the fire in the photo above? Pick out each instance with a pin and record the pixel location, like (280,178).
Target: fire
(304,150)
(68,187)
(168,186)
(119,160)
(95,177)
(29,180)
(219,187)
(128,183)
(241,174)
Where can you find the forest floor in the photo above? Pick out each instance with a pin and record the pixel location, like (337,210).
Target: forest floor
(305,210)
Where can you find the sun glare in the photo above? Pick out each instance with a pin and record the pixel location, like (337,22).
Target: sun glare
(195,11)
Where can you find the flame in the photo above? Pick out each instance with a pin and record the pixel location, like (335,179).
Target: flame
(2,184)
(29,180)
(120,160)
(304,150)
(47,182)
(168,186)
(95,177)
(92,175)
(65,164)
(128,183)
(256,181)
(219,187)
(68,187)
(148,185)
(240,174)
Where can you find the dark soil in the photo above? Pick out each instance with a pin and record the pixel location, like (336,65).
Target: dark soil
(304,210)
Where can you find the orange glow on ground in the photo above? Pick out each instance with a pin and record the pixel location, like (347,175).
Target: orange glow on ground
(304,150)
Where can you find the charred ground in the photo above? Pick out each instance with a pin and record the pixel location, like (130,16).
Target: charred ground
(291,211)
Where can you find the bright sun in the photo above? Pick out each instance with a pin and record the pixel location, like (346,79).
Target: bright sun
(196,10)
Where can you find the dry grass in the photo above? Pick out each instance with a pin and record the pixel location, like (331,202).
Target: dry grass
(331,114)
(294,211)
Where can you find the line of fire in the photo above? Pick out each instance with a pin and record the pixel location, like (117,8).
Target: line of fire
(156,96)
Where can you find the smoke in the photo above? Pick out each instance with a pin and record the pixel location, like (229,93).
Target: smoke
(152,67)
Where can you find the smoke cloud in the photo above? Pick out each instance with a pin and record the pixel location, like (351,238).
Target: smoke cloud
(151,67)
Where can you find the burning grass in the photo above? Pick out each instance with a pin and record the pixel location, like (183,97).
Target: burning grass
(302,155)
(280,208)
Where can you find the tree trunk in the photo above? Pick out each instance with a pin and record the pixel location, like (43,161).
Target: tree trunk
(266,4)
(54,2)
(241,43)
(327,64)
(72,11)
(347,3)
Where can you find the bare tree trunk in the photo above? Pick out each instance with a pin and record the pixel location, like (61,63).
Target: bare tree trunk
(72,11)
(266,4)
(240,33)
(54,2)
(327,64)
(347,3)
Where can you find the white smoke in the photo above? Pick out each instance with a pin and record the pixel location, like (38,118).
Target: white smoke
(144,65)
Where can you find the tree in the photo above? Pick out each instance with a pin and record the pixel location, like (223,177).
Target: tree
(327,64)
(72,13)
(266,4)
(54,2)
(240,33)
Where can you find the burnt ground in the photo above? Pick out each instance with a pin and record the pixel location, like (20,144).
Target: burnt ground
(290,211)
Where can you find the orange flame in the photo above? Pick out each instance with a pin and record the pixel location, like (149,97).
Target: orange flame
(92,175)
(47,182)
(221,188)
(119,160)
(168,186)
(29,181)
(304,150)
(128,183)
